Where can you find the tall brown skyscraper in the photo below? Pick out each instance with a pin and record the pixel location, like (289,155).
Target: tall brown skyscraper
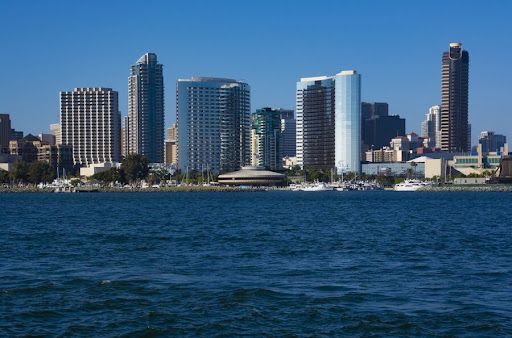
(454,99)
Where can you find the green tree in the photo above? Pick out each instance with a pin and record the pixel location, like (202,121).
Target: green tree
(4,176)
(40,172)
(135,167)
(19,172)
(110,176)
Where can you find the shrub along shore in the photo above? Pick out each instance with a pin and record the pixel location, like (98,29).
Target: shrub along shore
(189,188)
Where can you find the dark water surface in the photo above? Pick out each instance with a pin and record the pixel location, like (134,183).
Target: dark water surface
(270,263)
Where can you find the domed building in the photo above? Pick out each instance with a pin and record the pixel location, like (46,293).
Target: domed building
(251,175)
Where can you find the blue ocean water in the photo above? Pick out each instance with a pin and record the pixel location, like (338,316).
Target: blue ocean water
(269,263)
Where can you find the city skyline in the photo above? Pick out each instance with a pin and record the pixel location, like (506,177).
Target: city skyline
(373,49)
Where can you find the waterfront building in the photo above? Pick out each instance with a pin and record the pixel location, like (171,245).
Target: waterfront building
(431,126)
(5,132)
(59,157)
(491,142)
(288,133)
(55,131)
(146,109)
(25,148)
(213,119)
(91,123)
(385,154)
(266,139)
(252,176)
(394,169)
(348,121)
(454,99)
(31,148)
(315,101)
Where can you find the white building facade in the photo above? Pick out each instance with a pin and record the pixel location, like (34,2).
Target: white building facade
(90,122)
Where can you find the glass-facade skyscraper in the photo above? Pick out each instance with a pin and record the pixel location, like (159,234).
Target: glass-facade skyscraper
(315,122)
(266,138)
(348,121)
(288,133)
(454,99)
(145,128)
(329,122)
(213,118)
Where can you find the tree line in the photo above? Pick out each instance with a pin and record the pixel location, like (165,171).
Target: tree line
(34,173)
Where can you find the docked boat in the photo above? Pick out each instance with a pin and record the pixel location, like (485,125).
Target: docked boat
(318,186)
(410,185)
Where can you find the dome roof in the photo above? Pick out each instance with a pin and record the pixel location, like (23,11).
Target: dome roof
(248,172)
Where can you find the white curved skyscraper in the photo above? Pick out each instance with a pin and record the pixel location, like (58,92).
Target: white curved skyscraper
(348,121)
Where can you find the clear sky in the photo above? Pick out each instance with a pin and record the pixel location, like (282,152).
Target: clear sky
(49,46)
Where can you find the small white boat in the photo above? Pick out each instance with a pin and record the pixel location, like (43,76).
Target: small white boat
(410,185)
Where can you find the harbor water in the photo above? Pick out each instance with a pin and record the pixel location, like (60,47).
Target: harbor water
(278,263)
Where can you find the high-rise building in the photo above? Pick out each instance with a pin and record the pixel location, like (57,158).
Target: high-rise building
(146,109)
(378,127)
(491,142)
(213,118)
(171,147)
(431,126)
(91,123)
(125,137)
(348,121)
(55,131)
(5,132)
(369,110)
(288,133)
(315,100)
(172,132)
(266,139)
(454,99)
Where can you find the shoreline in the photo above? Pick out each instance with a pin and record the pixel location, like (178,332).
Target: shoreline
(192,188)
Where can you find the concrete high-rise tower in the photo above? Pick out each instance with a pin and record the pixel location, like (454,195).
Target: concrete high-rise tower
(145,128)
(431,126)
(454,99)
(91,123)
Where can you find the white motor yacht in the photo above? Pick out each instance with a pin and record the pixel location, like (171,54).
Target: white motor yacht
(410,185)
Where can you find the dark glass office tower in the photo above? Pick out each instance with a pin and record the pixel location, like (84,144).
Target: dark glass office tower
(146,109)
(454,99)
(378,127)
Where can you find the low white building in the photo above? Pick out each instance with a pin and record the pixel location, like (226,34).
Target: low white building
(97,168)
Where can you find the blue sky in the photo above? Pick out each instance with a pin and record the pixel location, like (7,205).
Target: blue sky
(49,46)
